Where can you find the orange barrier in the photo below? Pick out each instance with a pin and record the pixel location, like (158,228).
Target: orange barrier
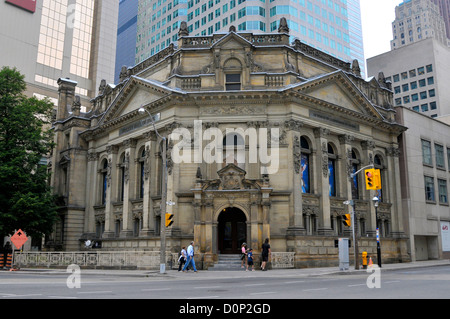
(9,261)
(2,260)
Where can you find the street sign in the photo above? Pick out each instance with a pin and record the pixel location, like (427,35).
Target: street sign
(19,238)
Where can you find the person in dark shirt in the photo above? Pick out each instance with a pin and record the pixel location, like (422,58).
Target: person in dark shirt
(265,254)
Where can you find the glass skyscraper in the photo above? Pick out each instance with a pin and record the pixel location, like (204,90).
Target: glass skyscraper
(126,35)
(333,26)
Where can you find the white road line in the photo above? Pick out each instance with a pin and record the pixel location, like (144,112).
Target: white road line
(155,289)
(208,287)
(315,289)
(253,285)
(95,292)
(293,282)
(20,296)
(263,293)
(357,285)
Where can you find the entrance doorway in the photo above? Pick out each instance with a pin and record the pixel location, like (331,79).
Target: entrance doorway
(232,230)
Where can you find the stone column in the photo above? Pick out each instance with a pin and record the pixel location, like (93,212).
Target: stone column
(147,204)
(397,226)
(345,180)
(91,193)
(254,222)
(324,227)
(296,226)
(111,185)
(129,189)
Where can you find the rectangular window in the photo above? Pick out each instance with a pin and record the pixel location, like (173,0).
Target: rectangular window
(426,153)
(429,68)
(233,82)
(413,85)
(439,149)
(448,158)
(429,188)
(442,188)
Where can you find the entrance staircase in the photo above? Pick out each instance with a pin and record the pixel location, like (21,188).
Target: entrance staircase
(228,262)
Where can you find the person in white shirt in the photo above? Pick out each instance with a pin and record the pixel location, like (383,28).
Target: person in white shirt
(190,257)
(182,258)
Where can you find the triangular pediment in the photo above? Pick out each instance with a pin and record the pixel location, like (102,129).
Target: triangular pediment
(232,41)
(136,93)
(338,90)
(231,169)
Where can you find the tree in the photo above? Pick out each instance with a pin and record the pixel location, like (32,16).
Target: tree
(26,201)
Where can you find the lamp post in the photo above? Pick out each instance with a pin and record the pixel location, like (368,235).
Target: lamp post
(376,201)
(355,234)
(162,254)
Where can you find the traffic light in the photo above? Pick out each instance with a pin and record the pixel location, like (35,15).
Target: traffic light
(347,220)
(169,219)
(373,178)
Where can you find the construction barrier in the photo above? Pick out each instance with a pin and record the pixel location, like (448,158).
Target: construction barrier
(9,261)
(2,260)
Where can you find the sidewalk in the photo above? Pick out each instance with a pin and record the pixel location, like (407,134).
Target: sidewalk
(205,274)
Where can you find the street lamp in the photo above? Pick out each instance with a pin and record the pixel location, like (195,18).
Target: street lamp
(376,201)
(162,254)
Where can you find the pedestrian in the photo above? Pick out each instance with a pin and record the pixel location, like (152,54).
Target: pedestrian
(250,259)
(190,257)
(243,254)
(182,258)
(265,254)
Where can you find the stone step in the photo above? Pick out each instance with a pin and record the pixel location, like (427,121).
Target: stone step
(227,262)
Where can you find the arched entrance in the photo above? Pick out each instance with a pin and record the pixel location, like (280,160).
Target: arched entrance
(232,230)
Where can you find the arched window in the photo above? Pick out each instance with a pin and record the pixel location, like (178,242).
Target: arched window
(104,181)
(332,170)
(122,177)
(234,150)
(305,165)
(379,165)
(141,173)
(233,71)
(355,183)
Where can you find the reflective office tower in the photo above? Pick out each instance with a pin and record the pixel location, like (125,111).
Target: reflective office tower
(416,20)
(332,26)
(126,35)
(52,39)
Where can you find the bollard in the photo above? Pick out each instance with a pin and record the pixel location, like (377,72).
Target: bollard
(364,259)
(9,261)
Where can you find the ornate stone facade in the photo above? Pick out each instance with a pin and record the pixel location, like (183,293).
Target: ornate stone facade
(315,119)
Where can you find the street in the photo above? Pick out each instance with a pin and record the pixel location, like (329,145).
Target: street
(415,283)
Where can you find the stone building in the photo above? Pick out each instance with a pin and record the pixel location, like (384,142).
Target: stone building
(279,128)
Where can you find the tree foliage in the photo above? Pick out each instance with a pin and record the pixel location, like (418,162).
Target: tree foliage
(26,201)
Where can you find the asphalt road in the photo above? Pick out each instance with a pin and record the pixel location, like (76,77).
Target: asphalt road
(417,283)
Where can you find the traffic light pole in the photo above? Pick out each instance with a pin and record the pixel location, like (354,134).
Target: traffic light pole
(354,230)
(162,253)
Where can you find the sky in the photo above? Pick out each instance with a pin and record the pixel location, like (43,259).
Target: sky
(377,17)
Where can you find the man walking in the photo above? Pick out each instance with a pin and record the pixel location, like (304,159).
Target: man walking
(190,257)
